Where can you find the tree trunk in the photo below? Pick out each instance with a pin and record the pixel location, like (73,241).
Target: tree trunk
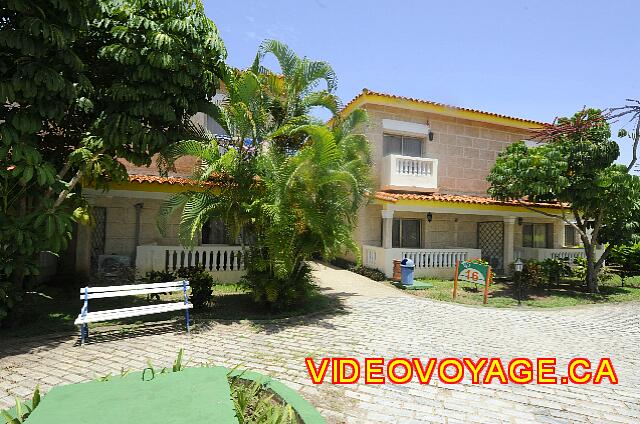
(591,278)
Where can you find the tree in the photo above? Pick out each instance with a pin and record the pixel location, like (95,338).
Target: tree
(574,166)
(84,84)
(293,93)
(295,183)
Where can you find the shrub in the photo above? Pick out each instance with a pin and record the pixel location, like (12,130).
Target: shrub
(9,297)
(280,293)
(201,283)
(342,263)
(627,257)
(374,274)
(254,405)
(579,269)
(555,269)
(159,276)
(531,272)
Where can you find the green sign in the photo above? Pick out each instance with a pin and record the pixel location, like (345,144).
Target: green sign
(473,272)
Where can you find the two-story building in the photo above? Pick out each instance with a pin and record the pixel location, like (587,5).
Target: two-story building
(430,202)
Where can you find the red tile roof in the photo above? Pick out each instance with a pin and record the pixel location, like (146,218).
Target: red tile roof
(454,198)
(366,91)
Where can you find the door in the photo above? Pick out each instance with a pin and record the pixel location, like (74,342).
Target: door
(98,235)
(491,243)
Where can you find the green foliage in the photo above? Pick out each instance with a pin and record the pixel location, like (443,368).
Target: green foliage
(372,273)
(555,269)
(299,197)
(22,410)
(254,405)
(106,79)
(575,164)
(627,257)
(9,298)
(159,276)
(579,269)
(532,273)
(201,283)
(280,293)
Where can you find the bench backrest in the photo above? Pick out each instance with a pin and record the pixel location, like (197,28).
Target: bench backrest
(132,289)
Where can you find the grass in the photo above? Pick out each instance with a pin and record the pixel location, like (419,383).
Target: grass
(503,294)
(54,310)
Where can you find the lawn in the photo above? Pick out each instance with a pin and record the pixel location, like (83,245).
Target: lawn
(54,310)
(502,293)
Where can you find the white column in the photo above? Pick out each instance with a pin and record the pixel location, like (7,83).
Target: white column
(387,228)
(509,226)
(558,234)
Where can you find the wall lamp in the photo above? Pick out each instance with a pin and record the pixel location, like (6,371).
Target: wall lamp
(520,221)
(429,216)
(430,134)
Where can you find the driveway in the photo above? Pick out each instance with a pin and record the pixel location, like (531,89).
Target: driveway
(377,321)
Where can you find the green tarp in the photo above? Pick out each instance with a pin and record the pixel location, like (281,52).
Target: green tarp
(193,396)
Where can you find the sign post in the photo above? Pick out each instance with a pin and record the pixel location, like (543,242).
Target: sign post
(455,280)
(474,273)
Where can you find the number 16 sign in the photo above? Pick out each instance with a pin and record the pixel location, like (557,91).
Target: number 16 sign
(475,273)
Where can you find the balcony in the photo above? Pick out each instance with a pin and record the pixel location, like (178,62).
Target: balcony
(409,173)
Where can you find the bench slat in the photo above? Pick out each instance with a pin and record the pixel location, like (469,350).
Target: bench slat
(131,312)
(99,289)
(131,292)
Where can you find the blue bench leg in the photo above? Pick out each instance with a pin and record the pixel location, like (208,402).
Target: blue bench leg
(84,333)
(186,312)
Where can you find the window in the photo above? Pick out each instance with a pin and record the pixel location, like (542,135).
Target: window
(402,145)
(406,233)
(215,232)
(570,236)
(537,235)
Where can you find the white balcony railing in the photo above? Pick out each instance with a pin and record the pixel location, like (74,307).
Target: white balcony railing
(409,173)
(428,262)
(224,262)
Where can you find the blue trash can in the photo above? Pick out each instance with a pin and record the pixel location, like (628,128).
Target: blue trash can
(407,266)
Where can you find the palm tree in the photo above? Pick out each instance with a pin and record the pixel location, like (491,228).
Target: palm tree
(308,205)
(297,182)
(293,92)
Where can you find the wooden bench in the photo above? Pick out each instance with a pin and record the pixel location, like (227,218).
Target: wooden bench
(85,317)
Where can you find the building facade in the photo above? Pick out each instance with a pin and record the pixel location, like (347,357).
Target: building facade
(430,202)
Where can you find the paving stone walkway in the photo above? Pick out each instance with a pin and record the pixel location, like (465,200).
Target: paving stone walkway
(377,321)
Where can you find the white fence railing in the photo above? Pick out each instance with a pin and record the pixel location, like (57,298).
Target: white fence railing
(541,254)
(409,172)
(224,262)
(437,258)
(428,262)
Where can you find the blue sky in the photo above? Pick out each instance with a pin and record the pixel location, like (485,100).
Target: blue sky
(531,59)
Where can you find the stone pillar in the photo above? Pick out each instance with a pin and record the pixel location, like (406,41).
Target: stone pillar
(509,227)
(387,228)
(558,234)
